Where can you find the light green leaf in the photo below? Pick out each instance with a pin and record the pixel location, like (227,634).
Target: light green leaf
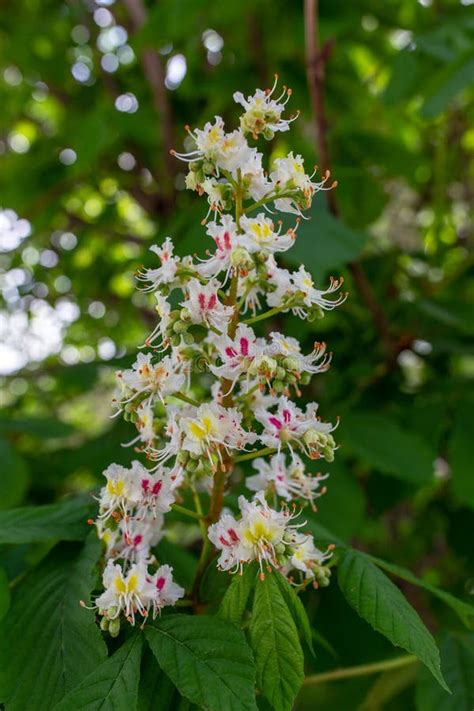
(385,446)
(378,601)
(207,659)
(48,643)
(66,520)
(296,608)
(237,595)
(4,594)
(276,646)
(457,655)
(113,686)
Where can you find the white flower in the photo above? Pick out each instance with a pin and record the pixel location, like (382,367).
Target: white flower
(161,378)
(309,560)
(158,490)
(166,592)
(287,480)
(280,279)
(208,141)
(121,491)
(260,236)
(212,427)
(204,306)
(289,175)
(303,282)
(130,593)
(263,113)
(163,309)
(137,537)
(225,237)
(260,534)
(166,273)
(292,427)
(290,348)
(236,354)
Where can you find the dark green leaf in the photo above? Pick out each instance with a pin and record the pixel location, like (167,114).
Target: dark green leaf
(49,643)
(462,609)
(385,446)
(448,83)
(66,520)
(276,646)
(207,659)
(378,601)
(4,594)
(113,686)
(44,427)
(324,242)
(156,691)
(461,455)
(457,656)
(14,479)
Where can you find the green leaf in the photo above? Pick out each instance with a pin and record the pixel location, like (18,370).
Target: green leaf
(48,643)
(378,601)
(236,598)
(296,608)
(44,427)
(4,594)
(324,242)
(457,655)
(276,646)
(464,610)
(461,455)
(113,686)
(156,692)
(447,84)
(66,520)
(207,659)
(385,446)
(14,479)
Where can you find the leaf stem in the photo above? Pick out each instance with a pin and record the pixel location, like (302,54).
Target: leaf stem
(186,398)
(186,512)
(361,670)
(253,455)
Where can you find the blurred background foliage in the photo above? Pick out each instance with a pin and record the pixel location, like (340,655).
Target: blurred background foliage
(93,96)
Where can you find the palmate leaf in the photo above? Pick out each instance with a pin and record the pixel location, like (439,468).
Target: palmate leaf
(207,659)
(4,594)
(457,654)
(48,643)
(66,520)
(378,601)
(296,608)
(113,686)
(276,646)
(156,691)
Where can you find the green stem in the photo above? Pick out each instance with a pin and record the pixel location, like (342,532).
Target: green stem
(269,198)
(186,398)
(186,512)
(254,455)
(267,314)
(361,670)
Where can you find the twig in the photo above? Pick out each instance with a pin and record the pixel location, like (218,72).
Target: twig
(361,670)
(316,60)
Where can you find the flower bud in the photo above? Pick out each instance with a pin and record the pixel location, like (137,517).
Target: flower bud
(180,327)
(291,363)
(241,258)
(114,627)
(104,624)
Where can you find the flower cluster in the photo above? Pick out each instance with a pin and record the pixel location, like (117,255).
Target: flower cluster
(212,392)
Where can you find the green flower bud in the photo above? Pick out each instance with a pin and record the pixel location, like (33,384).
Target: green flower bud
(291,363)
(114,627)
(188,338)
(278,386)
(175,314)
(175,340)
(104,624)
(280,374)
(184,315)
(180,327)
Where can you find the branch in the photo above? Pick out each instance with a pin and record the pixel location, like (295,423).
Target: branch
(316,59)
(155,77)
